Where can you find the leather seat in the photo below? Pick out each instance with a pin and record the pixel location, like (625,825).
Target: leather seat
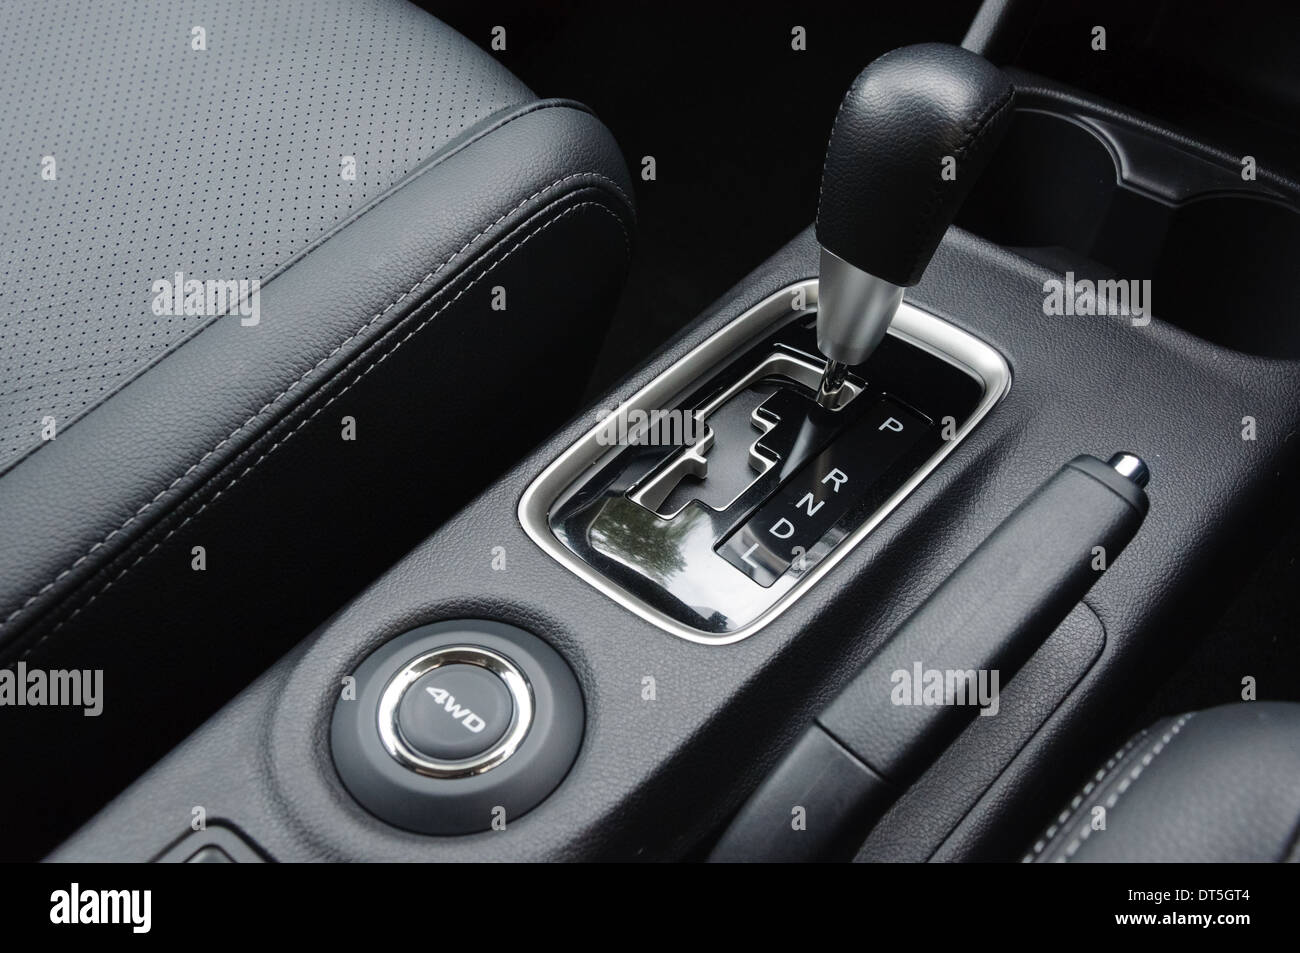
(1221,785)
(185,493)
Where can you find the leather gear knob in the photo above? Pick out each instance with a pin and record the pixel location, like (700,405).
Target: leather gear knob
(913,134)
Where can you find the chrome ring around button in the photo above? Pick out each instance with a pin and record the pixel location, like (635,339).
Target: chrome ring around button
(521,719)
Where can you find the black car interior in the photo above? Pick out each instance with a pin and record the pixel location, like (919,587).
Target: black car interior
(857,432)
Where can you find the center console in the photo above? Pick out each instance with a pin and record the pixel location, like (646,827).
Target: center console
(607,653)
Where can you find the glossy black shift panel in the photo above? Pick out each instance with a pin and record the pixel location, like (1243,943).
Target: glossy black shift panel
(692,565)
(827,491)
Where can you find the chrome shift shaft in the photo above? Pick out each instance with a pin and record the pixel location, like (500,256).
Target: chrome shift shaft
(830,391)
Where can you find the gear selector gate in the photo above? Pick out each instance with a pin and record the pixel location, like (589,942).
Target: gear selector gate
(710,536)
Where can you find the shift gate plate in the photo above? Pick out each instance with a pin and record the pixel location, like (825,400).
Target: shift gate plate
(680,565)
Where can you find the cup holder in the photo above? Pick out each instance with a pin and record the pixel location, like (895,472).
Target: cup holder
(1227,268)
(1220,261)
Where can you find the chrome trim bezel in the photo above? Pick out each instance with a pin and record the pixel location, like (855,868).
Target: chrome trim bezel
(521,717)
(920,328)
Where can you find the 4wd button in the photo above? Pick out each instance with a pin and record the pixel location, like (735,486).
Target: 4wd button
(455,712)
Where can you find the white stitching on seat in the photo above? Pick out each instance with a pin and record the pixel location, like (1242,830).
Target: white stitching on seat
(1067,812)
(306,420)
(1125,784)
(302,423)
(278,397)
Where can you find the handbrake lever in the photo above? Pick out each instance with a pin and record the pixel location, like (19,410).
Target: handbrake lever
(987,618)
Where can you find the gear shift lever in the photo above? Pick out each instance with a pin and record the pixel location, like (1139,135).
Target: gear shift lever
(914,132)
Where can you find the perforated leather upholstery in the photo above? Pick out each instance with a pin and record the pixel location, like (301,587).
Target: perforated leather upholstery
(222,163)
